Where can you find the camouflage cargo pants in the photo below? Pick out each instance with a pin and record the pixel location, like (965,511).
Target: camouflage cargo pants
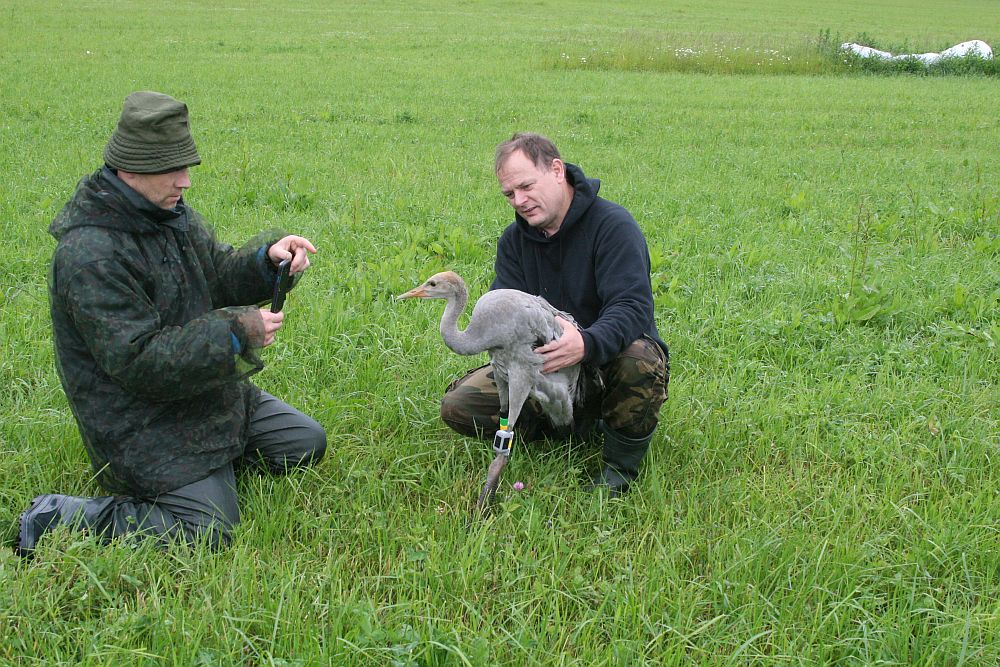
(626,393)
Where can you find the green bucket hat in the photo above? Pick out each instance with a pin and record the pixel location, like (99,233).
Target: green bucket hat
(152,136)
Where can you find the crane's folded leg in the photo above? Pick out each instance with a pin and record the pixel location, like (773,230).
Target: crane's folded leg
(518,388)
(471,406)
(503,394)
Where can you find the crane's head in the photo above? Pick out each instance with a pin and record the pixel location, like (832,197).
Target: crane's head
(439,286)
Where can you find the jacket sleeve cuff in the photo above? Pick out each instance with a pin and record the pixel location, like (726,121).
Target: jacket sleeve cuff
(588,345)
(267,270)
(247,327)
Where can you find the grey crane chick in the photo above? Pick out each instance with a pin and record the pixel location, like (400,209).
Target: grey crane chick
(509,325)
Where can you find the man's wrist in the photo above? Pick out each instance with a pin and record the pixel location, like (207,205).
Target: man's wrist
(588,344)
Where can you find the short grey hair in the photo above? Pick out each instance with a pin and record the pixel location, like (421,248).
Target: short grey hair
(540,150)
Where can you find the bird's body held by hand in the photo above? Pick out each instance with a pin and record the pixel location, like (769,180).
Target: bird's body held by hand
(509,325)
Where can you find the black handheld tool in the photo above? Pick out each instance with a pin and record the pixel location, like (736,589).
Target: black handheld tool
(282,284)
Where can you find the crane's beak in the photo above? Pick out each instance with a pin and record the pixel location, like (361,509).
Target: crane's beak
(415,293)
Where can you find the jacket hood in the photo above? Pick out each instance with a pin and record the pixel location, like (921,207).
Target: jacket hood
(102,199)
(584,193)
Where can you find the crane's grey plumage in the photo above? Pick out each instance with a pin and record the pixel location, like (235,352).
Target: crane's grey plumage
(509,324)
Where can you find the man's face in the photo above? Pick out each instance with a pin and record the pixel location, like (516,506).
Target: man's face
(540,196)
(163,190)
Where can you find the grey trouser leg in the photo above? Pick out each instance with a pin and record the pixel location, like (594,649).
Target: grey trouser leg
(281,438)
(203,510)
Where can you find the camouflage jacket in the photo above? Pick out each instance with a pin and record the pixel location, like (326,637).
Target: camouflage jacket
(148,310)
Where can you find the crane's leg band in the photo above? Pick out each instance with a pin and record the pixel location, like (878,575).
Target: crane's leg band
(502,442)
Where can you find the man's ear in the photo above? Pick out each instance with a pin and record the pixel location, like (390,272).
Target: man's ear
(559,168)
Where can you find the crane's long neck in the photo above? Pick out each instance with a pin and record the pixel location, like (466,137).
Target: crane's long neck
(457,341)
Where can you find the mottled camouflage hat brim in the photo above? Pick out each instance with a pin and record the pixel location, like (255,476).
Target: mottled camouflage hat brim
(152,137)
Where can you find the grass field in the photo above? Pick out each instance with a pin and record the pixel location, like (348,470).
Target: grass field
(825,255)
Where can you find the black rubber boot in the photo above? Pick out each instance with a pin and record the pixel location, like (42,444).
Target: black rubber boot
(54,509)
(622,456)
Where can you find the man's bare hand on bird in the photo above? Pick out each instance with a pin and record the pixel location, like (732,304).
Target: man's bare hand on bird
(292,247)
(564,351)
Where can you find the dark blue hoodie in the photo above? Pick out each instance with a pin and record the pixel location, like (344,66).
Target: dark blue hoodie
(596,267)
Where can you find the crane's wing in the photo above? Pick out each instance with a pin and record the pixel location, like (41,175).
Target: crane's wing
(505,317)
(556,313)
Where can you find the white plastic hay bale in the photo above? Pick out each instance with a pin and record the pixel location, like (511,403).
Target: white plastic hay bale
(975,48)
(864,51)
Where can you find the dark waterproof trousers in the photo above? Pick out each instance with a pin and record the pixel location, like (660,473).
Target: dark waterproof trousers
(281,439)
(626,393)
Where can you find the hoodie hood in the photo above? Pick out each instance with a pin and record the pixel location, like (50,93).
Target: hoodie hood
(584,193)
(102,199)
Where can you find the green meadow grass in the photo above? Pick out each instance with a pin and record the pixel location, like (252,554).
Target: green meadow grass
(820,54)
(825,248)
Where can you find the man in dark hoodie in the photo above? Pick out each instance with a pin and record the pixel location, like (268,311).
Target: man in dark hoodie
(156,330)
(588,257)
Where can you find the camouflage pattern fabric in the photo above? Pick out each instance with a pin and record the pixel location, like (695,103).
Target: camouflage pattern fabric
(145,304)
(626,393)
